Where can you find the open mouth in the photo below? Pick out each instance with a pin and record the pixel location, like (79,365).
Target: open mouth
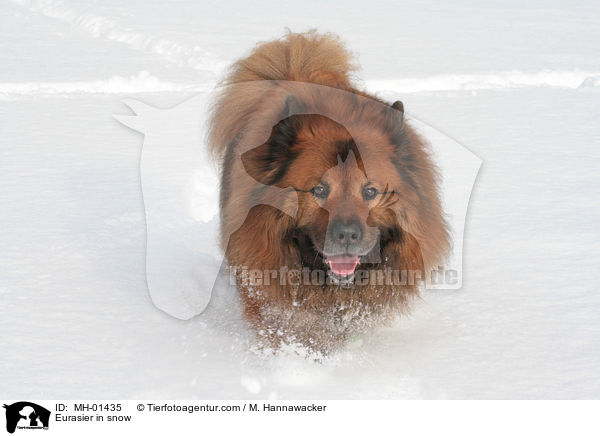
(342,264)
(342,267)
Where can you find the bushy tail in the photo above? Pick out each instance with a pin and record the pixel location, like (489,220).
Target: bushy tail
(304,57)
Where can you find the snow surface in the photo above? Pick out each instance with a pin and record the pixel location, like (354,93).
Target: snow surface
(517,84)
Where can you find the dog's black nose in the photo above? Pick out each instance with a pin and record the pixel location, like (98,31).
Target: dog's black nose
(347,233)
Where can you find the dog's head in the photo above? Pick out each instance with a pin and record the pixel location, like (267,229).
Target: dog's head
(359,195)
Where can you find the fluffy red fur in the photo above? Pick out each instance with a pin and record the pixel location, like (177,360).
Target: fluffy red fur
(305,154)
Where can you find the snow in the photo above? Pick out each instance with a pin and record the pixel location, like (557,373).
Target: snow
(500,80)
(516,84)
(140,83)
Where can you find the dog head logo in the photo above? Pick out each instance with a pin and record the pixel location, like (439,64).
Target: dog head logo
(26,415)
(181,188)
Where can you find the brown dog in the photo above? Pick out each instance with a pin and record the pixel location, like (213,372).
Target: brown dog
(329,201)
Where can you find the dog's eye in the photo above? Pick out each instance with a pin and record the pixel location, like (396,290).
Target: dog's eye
(370,193)
(320,191)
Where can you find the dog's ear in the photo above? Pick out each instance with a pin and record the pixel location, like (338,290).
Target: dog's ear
(269,162)
(399,106)
(391,118)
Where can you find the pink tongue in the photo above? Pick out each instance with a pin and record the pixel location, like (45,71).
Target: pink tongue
(342,264)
